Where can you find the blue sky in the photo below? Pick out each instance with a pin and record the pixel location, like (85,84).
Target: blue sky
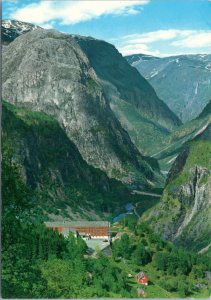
(156,27)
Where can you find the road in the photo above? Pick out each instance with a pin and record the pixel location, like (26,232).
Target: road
(146,193)
(204,250)
(135,212)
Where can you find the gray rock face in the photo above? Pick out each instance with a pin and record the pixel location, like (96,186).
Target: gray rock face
(47,71)
(182,82)
(131,98)
(61,183)
(183,215)
(195,204)
(123,82)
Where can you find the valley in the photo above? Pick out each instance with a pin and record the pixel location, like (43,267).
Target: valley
(89,140)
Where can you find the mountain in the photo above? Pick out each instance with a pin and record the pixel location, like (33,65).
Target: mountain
(135,58)
(11,29)
(183,214)
(62,183)
(171,145)
(129,84)
(131,97)
(52,74)
(182,82)
(123,82)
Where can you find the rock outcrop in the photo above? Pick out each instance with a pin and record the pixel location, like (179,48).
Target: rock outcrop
(183,214)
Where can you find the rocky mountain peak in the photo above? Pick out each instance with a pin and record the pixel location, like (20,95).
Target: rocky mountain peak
(54,75)
(11,29)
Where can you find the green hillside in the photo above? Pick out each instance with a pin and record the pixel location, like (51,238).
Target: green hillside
(172,272)
(183,214)
(173,143)
(39,263)
(145,133)
(63,184)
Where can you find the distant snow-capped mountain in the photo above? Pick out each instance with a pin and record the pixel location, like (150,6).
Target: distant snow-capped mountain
(183,82)
(11,29)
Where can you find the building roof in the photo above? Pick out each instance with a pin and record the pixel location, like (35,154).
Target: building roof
(78,223)
(141,275)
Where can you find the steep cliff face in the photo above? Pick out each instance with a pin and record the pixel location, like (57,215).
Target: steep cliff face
(183,215)
(63,184)
(183,81)
(124,82)
(45,70)
(131,97)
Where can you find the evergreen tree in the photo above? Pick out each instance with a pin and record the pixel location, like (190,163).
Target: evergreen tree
(141,256)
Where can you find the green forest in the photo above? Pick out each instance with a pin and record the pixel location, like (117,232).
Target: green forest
(40,263)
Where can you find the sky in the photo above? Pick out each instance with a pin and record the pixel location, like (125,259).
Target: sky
(153,27)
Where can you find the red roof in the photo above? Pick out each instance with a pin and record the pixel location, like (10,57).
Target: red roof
(142,278)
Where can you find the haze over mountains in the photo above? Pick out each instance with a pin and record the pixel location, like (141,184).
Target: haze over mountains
(92,116)
(183,82)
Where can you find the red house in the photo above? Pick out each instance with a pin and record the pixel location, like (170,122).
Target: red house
(142,278)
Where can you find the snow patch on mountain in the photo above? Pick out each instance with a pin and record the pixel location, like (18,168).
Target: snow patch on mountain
(196,88)
(12,29)
(154,73)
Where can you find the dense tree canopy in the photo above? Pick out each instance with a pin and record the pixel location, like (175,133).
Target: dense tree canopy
(40,263)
